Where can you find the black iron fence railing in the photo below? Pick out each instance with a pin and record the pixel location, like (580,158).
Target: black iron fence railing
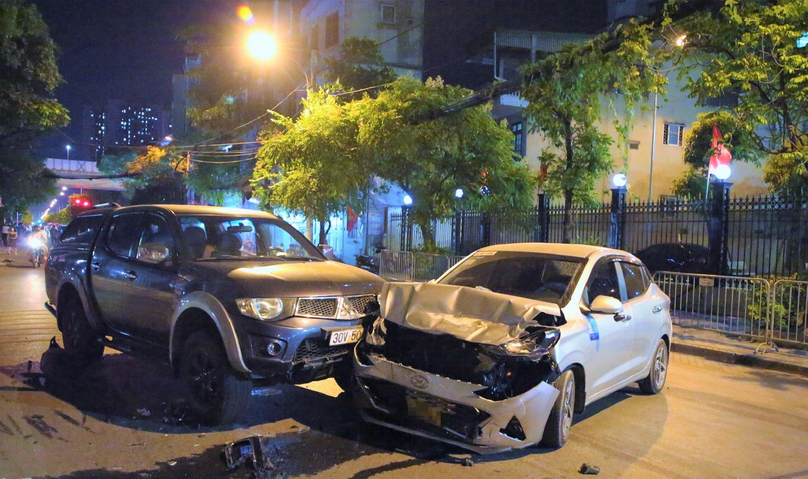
(762,236)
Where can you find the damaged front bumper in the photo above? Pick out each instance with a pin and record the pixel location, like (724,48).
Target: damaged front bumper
(449,410)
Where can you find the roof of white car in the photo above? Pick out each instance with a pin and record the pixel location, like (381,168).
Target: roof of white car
(562,249)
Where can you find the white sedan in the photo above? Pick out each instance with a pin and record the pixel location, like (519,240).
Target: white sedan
(504,348)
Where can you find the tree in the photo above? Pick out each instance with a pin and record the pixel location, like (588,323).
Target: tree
(28,77)
(431,159)
(358,66)
(565,91)
(155,175)
(749,52)
(311,165)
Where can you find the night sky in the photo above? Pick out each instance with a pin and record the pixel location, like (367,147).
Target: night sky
(126,49)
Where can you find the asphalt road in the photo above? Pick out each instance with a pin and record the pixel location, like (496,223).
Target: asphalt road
(124,420)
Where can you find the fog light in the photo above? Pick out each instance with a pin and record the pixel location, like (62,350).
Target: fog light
(274,348)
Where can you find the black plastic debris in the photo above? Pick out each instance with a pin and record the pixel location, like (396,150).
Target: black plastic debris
(58,363)
(468,462)
(589,470)
(247,451)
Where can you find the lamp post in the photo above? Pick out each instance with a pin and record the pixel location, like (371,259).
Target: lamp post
(67,147)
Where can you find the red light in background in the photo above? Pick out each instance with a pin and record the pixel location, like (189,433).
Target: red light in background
(78,202)
(86,203)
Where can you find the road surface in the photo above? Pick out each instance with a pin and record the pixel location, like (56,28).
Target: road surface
(124,420)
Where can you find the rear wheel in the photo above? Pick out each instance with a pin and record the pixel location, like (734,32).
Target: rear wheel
(557,429)
(77,333)
(216,393)
(655,381)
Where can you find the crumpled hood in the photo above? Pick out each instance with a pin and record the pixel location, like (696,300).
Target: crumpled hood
(466,313)
(297,278)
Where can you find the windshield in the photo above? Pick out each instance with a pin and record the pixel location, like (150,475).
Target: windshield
(211,237)
(528,275)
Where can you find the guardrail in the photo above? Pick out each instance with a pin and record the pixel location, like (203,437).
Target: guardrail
(728,304)
(407,266)
(788,312)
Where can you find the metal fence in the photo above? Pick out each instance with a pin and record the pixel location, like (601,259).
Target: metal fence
(788,312)
(762,236)
(728,304)
(406,266)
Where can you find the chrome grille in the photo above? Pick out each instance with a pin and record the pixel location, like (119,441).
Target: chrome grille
(317,307)
(360,303)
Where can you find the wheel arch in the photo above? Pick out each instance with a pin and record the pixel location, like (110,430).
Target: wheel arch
(200,310)
(579,374)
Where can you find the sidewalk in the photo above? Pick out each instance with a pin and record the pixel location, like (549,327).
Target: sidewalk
(720,347)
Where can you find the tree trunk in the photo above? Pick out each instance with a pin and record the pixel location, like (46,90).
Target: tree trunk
(428,234)
(569,225)
(325,227)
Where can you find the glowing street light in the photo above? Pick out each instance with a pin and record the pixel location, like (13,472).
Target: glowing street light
(261,45)
(407,200)
(67,147)
(619,180)
(722,172)
(459,193)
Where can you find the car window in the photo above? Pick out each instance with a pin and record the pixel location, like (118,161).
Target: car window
(123,232)
(81,230)
(636,281)
(155,243)
(602,281)
(529,275)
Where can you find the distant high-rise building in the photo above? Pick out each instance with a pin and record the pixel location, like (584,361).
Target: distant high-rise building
(119,124)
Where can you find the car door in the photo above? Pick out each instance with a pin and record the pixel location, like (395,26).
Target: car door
(109,268)
(611,335)
(646,306)
(153,273)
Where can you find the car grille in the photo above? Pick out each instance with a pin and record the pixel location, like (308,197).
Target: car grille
(327,307)
(317,307)
(316,349)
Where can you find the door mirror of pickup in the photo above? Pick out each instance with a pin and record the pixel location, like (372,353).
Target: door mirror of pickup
(152,253)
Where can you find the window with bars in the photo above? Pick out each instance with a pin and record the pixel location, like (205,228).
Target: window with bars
(673,133)
(518,138)
(332,29)
(387,13)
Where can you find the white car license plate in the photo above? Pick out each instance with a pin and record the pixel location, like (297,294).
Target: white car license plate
(345,336)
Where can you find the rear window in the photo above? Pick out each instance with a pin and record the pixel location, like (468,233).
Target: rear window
(81,230)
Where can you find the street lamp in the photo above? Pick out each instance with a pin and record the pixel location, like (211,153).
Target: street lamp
(261,45)
(67,147)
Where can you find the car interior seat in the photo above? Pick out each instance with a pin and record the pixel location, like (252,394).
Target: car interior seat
(229,245)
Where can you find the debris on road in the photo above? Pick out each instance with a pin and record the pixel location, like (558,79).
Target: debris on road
(303,429)
(144,412)
(468,462)
(58,363)
(589,470)
(250,451)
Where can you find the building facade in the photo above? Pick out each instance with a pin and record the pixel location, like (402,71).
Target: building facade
(117,124)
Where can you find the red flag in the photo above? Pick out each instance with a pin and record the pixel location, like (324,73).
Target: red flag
(352,218)
(721,156)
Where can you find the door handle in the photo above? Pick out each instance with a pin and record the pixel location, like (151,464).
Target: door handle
(130,275)
(620,317)
(656,309)
(95,265)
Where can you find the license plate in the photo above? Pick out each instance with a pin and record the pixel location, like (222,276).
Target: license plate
(424,411)
(345,336)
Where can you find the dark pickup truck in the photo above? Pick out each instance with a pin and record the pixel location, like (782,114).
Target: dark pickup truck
(227,297)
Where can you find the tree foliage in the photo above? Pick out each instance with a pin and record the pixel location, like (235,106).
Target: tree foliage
(358,66)
(749,51)
(566,93)
(28,77)
(155,175)
(430,160)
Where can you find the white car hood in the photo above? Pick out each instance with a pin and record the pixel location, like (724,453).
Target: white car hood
(468,314)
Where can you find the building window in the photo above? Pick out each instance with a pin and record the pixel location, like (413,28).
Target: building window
(673,134)
(388,13)
(332,29)
(633,145)
(518,142)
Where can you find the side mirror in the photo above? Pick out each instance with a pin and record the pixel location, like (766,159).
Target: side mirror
(606,305)
(152,253)
(327,250)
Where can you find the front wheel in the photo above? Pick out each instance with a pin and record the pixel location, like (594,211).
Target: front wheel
(655,381)
(216,393)
(557,429)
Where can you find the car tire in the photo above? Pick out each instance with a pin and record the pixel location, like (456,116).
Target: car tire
(216,393)
(655,381)
(557,429)
(77,334)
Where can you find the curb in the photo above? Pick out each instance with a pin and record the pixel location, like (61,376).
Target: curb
(752,360)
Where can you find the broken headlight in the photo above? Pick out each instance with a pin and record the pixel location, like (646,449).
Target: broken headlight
(377,333)
(532,345)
